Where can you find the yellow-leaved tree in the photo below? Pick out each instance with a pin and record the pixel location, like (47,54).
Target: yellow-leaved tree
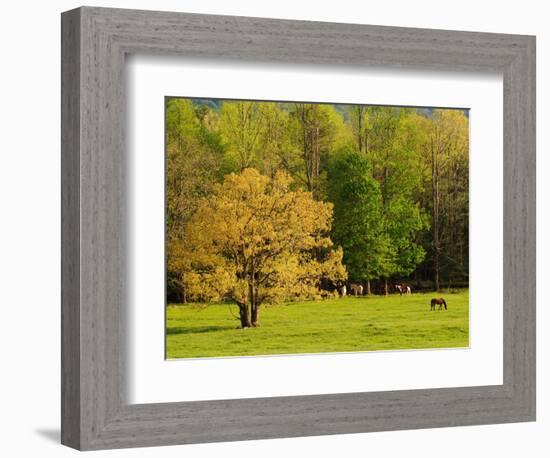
(257,241)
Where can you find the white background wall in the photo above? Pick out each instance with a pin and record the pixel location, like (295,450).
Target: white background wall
(30,228)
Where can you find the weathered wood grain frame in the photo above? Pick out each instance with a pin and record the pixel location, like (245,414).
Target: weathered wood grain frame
(95,413)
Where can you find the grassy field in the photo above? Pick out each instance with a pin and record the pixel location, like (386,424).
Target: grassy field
(349,324)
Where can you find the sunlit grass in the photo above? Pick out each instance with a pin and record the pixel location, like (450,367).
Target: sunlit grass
(336,325)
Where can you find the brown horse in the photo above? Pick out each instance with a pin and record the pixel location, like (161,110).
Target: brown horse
(403,289)
(438,301)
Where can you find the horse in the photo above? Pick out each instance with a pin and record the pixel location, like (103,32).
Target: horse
(356,290)
(438,301)
(343,291)
(403,289)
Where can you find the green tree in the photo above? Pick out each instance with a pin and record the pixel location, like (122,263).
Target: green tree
(193,160)
(275,149)
(359,218)
(316,130)
(241,125)
(359,122)
(386,135)
(446,153)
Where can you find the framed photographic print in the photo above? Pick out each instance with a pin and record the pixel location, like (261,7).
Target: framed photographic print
(287,228)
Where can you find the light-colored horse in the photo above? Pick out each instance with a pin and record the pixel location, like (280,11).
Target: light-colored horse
(356,290)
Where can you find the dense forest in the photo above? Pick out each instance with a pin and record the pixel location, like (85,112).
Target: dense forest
(373,194)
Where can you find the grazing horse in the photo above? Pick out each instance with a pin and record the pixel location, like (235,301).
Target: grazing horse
(438,301)
(408,290)
(399,288)
(356,290)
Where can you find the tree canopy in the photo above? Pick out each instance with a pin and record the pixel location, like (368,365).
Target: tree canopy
(256,241)
(359,217)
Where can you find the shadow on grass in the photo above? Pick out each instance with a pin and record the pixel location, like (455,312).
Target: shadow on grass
(197,330)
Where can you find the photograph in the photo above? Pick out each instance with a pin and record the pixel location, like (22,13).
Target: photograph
(275,229)
(300,227)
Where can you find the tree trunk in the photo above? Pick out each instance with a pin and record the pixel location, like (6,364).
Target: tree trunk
(436,271)
(436,243)
(255,316)
(311,144)
(183,292)
(368,287)
(435,223)
(360,128)
(385,286)
(243,313)
(253,297)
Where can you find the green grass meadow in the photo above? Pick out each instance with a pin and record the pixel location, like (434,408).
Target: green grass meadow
(336,325)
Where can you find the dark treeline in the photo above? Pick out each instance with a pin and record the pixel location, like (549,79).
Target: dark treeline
(397,178)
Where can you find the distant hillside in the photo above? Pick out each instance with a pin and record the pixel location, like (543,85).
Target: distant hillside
(215,104)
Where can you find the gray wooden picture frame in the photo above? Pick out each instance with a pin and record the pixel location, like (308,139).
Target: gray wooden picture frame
(95,412)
